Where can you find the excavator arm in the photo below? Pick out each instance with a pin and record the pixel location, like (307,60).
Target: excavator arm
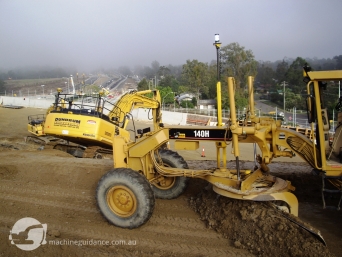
(133,100)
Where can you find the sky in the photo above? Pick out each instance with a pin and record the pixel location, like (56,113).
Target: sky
(94,34)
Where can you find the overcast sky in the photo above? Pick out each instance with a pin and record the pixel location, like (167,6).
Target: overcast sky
(90,34)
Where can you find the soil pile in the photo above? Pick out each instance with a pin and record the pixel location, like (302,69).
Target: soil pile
(255,226)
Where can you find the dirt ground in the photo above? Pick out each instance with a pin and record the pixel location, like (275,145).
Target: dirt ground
(58,190)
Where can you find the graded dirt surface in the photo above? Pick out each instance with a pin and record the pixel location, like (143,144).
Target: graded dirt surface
(59,190)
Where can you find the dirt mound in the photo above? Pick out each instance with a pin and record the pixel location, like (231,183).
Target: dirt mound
(254,226)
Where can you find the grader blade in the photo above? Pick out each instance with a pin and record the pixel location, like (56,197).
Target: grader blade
(315,232)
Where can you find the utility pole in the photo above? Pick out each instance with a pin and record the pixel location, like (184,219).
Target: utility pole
(284,101)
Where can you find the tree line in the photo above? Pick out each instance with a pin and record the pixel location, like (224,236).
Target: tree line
(199,78)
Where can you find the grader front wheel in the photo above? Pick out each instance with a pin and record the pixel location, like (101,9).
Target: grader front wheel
(122,201)
(125,198)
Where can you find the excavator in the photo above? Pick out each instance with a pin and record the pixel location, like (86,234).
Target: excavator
(84,127)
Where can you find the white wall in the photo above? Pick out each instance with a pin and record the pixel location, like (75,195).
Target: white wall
(27,102)
(172,118)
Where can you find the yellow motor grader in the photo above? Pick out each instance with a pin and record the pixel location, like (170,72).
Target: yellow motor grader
(144,169)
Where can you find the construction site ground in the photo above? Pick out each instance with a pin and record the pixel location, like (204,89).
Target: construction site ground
(59,190)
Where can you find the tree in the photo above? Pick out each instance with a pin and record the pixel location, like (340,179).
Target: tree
(241,101)
(163,71)
(195,76)
(155,67)
(124,70)
(143,85)
(170,81)
(238,63)
(148,72)
(176,71)
(167,95)
(2,86)
(194,101)
(338,62)
(294,100)
(212,82)
(265,75)
(294,75)
(281,70)
(187,104)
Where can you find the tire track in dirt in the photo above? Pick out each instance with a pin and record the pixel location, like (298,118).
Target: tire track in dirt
(45,191)
(67,204)
(157,220)
(196,237)
(53,204)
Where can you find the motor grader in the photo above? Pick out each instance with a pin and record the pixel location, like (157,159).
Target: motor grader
(144,170)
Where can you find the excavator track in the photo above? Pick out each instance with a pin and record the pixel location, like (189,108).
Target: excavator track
(43,140)
(81,151)
(74,150)
(98,153)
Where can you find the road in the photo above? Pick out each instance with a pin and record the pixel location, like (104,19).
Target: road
(301,118)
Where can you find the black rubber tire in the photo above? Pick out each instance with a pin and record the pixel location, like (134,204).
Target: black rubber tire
(174,160)
(137,186)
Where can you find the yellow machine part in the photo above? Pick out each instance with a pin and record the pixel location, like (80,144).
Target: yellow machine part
(82,129)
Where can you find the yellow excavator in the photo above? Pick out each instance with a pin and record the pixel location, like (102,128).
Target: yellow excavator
(84,126)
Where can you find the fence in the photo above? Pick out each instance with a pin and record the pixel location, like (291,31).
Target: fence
(297,118)
(45,101)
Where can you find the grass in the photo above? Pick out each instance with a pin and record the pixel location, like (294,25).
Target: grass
(27,82)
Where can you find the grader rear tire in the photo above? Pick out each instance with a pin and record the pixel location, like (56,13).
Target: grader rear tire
(171,187)
(125,198)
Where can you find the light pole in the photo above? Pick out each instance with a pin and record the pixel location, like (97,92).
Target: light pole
(284,83)
(43,89)
(217,45)
(68,86)
(164,98)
